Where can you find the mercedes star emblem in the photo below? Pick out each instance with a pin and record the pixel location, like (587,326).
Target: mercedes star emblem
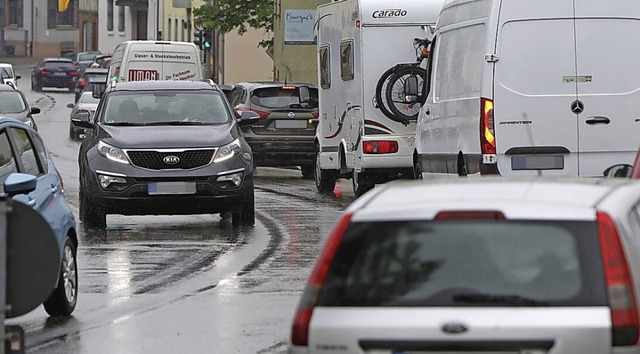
(577,107)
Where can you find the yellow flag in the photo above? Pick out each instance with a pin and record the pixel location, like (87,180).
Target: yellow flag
(62,5)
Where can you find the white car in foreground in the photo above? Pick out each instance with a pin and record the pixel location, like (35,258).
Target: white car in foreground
(7,75)
(482,265)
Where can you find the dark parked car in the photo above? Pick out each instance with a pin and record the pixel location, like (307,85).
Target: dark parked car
(54,72)
(85,104)
(88,74)
(29,176)
(83,59)
(13,104)
(165,147)
(284,136)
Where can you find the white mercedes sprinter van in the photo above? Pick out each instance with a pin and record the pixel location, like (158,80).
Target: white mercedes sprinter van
(531,87)
(154,60)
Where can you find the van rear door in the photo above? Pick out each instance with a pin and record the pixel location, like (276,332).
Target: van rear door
(608,84)
(535,130)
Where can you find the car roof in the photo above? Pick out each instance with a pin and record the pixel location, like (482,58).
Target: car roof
(546,198)
(58,59)
(6,64)
(259,84)
(96,71)
(162,85)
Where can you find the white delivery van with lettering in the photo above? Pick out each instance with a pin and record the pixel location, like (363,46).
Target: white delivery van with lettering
(155,60)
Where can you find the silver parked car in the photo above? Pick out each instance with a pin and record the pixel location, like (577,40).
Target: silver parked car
(486,265)
(86,103)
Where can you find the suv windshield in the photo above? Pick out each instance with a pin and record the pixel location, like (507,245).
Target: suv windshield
(11,102)
(283,97)
(165,108)
(467,263)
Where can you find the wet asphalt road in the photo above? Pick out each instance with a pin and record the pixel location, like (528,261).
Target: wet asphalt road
(183,284)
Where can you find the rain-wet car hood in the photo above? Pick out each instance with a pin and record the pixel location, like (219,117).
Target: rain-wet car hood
(168,136)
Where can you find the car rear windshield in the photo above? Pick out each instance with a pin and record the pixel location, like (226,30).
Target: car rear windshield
(467,263)
(11,102)
(165,108)
(283,97)
(59,65)
(87,57)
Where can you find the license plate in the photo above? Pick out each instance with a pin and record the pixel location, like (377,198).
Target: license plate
(537,162)
(291,124)
(60,74)
(171,188)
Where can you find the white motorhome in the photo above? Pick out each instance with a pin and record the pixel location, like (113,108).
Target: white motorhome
(531,87)
(139,60)
(357,42)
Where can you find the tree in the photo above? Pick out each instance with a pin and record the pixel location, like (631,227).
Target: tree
(227,15)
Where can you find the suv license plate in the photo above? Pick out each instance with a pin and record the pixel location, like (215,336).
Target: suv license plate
(171,188)
(291,124)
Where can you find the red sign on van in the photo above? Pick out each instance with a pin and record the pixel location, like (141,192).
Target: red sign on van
(143,75)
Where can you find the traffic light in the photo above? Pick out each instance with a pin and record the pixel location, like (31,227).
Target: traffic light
(203,39)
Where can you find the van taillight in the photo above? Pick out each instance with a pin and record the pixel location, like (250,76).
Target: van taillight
(487,138)
(622,300)
(300,327)
(380,147)
(470,214)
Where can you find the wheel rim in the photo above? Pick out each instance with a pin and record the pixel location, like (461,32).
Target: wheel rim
(69,274)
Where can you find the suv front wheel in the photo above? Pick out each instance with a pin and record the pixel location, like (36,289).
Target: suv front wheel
(245,215)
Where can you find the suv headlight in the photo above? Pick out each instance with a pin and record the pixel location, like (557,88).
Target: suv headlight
(112,153)
(228,151)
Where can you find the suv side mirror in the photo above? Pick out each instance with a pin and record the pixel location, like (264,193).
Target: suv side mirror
(620,170)
(97,91)
(248,118)
(411,89)
(82,120)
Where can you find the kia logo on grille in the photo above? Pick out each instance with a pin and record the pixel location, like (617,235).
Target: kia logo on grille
(454,328)
(171,160)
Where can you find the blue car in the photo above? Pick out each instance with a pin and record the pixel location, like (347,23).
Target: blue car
(29,176)
(54,72)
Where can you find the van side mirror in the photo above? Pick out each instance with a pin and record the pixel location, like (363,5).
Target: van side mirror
(98,90)
(620,170)
(18,77)
(411,89)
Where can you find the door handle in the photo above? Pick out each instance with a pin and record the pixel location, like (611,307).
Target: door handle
(598,120)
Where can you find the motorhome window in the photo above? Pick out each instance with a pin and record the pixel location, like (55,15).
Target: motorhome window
(325,69)
(427,81)
(459,59)
(346,60)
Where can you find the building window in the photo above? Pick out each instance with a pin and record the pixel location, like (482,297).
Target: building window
(109,15)
(346,60)
(182,30)
(59,17)
(121,18)
(175,34)
(169,30)
(16,13)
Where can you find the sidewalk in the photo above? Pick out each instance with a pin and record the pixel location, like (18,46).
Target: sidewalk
(19,62)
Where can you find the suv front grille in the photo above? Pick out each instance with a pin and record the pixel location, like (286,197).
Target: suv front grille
(170,159)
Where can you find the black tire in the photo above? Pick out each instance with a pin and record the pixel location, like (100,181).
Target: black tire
(64,297)
(417,168)
(394,95)
(36,86)
(325,179)
(72,134)
(245,215)
(381,87)
(307,171)
(92,216)
(360,187)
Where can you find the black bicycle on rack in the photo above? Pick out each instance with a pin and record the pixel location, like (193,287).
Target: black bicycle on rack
(400,89)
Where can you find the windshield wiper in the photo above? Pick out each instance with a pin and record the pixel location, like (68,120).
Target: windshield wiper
(123,124)
(176,122)
(498,299)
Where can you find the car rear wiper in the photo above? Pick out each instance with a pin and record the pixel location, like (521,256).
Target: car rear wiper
(498,299)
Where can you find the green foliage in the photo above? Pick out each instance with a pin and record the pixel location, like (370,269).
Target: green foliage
(227,15)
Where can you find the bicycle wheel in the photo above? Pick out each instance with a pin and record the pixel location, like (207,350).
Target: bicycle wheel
(395,94)
(380,92)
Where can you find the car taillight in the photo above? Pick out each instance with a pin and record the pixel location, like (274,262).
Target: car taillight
(380,147)
(470,214)
(622,299)
(309,300)
(487,138)
(45,72)
(82,82)
(263,115)
(315,115)
(74,73)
